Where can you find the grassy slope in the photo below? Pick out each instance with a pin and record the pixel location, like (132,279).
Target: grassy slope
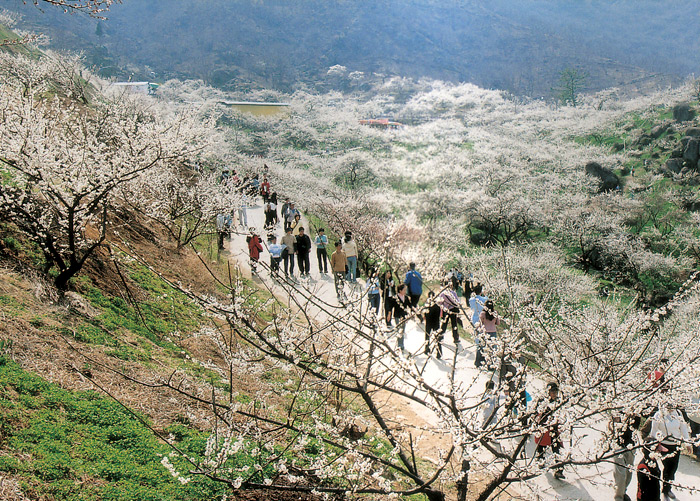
(59,437)
(80,445)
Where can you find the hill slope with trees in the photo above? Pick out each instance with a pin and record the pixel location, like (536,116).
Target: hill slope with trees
(205,382)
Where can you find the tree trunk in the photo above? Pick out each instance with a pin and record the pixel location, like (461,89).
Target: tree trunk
(61,281)
(463,483)
(434,495)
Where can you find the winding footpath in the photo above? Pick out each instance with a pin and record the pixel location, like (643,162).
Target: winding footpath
(581,483)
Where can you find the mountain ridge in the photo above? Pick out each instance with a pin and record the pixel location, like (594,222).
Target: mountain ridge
(520,48)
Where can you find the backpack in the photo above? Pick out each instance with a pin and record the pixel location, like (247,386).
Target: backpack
(543,440)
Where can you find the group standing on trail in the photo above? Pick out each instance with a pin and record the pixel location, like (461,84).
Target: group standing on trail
(659,433)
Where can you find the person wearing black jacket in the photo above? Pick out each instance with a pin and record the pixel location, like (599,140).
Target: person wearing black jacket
(303,250)
(648,474)
(388,288)
(431,314)
(402,308)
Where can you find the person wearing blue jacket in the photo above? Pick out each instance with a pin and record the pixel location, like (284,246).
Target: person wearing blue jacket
(414,281)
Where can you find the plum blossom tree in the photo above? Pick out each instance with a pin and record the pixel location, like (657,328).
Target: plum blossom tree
(599,350)
(67,166)
(182,201)
(63,163)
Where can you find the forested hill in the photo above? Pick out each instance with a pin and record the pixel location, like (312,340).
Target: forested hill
(519,46)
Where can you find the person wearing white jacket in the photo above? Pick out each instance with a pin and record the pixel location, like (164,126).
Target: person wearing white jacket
(670,429)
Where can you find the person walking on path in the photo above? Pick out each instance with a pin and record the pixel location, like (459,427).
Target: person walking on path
(388,288)
(303,251)
(321,242)
(414,281)
(622,429)
(275,251)
(467,284)
(476,303)
(270,210)
(289,245)
(254,187)
(285,206)
(265,189)
(223,229)
(449,303)
(670,429)
(649,473)
(296,224)
(254,250)
(273,206)
(490,405)
(548,420)
(431,315)
(373,291)
(488,323)
(694,422)
(289,215)
(339,263)
(243,211)
(350,249)
(402,307)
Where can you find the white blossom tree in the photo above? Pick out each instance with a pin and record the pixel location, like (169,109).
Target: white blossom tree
(63,162)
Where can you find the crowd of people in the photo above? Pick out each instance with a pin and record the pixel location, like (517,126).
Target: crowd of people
(393,300)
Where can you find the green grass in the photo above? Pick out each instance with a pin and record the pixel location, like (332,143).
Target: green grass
(627,128)
(410,146)
(11,307)
(163,312)
(16,246)
(82,446)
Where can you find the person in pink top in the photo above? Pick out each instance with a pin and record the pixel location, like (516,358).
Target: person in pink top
(489,320)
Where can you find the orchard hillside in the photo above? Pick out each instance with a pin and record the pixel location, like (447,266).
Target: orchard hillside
(140,359)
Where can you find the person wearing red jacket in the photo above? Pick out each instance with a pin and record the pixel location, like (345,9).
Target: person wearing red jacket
(265,189)
(254,250)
